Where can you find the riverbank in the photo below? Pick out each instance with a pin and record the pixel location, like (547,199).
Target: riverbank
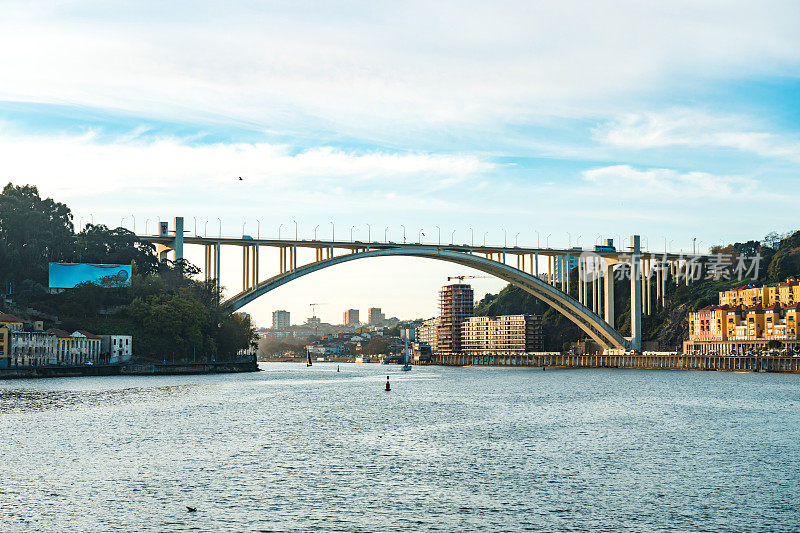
(135,369)
(651,361)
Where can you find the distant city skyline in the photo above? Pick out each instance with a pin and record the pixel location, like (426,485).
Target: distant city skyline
(472,122)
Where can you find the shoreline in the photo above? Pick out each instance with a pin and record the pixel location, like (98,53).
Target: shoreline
(134,369)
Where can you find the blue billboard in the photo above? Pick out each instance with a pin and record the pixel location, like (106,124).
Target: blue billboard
(68,275)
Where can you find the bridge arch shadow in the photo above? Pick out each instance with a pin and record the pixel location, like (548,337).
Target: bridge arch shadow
(590,322)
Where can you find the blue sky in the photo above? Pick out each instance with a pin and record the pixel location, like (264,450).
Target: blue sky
(572,119)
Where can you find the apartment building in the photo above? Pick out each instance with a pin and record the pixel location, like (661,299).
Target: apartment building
(456,303)
(502,335)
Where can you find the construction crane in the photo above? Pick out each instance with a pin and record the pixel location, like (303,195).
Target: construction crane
(314,315)
(462,278)
(314,308)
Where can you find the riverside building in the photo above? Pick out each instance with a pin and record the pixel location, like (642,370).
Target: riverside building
(428,333)
(456,304)
(747,319)
(501,335)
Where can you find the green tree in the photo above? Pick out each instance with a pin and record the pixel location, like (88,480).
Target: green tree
(33,231)
(100,244)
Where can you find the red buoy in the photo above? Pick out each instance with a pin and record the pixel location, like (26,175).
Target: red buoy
(388,388)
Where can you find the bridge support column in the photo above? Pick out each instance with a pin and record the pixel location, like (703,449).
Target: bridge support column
(216,261)
(206,262)
(178,244)
(609,294)
(536,265)
(649,286)
(636,295)
(255,266)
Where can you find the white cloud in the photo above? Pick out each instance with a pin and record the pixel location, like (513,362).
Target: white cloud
(694,129)
(164,170)
(381,68)
(664,184)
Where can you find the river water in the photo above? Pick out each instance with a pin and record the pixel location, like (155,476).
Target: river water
(448,449)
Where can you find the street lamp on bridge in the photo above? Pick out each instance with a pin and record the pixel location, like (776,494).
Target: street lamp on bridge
(315,231)
(452,236)
(279,230)
(295,229)
(369,233)
(351,233)
(333,232)
(439,239)
(547,241)
(386,234)
(404,233)
(220,226)
(471,236)
(484,237)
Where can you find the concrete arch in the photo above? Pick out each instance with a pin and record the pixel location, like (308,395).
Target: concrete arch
(591,323)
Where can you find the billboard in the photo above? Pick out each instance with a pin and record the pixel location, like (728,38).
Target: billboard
(67,275)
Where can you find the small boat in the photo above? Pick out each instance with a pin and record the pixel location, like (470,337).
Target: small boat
(308,357)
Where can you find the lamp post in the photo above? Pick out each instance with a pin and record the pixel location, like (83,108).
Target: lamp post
(516,240)
(146,220)
(471,236)
(258,229)
(569,240)
(195,226)
(279,230)
(404,233)
(386,234)
(333,232)
(538,245)
(315,231)
(547,241)
(295,229)
(134,223)
(244,223)
(220,226)
(485,233)
(369,233)
(351,233)
(452,236)
(205,229)
(439,238)
(578,241)
(419,236)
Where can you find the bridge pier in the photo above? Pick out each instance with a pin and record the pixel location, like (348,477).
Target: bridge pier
(636,295)
(609,294)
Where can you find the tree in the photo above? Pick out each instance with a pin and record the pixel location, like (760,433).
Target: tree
(100,244)
(33,231)
(785,263)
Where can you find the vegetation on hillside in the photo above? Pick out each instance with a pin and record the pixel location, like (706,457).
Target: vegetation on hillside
(171,315)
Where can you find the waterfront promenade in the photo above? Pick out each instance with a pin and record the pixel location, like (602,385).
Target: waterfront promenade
(665,361)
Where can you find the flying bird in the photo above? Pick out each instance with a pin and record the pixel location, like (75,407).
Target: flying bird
(240,178)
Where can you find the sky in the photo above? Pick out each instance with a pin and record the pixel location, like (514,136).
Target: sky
(557,122)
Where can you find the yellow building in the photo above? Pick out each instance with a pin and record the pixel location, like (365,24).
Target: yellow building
(11,322)
(5,338)
(784,294)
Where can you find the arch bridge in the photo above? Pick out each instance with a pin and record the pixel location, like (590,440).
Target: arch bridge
(542,272)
